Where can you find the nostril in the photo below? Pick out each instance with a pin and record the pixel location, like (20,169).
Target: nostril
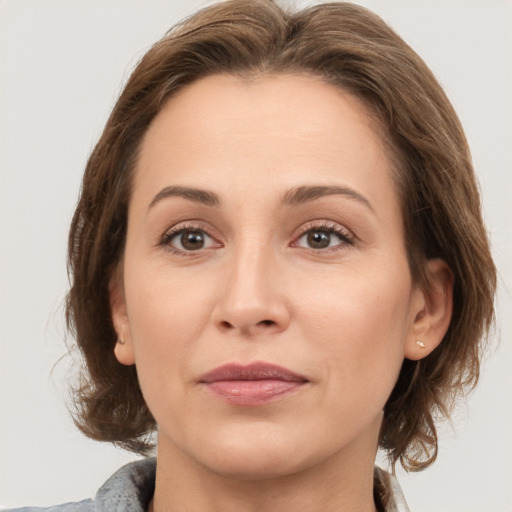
(226,326)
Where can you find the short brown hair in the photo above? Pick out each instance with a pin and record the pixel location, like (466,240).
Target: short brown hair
(352,48)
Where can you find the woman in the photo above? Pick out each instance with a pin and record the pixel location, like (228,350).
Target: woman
(278,258)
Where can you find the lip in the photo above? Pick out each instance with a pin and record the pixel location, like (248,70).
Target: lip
(254,384)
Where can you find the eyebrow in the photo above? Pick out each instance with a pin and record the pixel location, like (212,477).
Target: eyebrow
(293,197)
(305,194)
(193,194)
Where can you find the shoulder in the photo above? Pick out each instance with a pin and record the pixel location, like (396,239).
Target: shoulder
(130,488)
(78,506)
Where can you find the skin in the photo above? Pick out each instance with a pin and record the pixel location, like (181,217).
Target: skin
(344,316)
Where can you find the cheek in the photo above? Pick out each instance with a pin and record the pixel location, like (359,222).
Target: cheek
(356,301)
(166,316)
(360,323)
(165,305)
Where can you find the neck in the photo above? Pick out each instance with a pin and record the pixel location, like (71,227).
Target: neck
(343,481)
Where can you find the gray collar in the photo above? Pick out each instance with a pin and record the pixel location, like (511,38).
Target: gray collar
(132,487)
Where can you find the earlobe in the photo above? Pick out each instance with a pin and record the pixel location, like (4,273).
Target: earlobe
(124,352)
(123,349)
(433,315)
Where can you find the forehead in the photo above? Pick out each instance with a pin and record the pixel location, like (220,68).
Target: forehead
(273,102)
(280,129)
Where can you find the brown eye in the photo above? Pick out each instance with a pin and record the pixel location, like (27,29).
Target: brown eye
(318,239)
(192,240)
(188,240)
(325,237)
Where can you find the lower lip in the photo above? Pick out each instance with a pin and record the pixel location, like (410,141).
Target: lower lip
(252,392)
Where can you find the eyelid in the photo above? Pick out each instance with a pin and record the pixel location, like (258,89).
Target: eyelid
(191,225)
(326,225)
(344,233)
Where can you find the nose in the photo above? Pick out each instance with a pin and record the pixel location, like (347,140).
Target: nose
(252,300)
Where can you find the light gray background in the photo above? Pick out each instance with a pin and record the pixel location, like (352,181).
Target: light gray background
(62,63)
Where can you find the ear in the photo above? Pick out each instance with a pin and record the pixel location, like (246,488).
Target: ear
(123,349)
(432,311)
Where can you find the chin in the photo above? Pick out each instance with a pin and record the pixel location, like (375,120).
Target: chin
(261,453)
(253,464)
(250,452)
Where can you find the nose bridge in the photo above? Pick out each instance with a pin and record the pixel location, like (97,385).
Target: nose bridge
(251,300)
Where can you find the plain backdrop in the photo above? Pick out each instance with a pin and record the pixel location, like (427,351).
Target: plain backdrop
(62,64)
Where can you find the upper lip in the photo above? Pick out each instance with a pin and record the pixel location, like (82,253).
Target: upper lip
(253,371)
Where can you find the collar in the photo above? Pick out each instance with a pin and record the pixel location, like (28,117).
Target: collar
(132,487)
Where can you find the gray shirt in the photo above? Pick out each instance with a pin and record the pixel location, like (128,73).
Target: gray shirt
(131,489)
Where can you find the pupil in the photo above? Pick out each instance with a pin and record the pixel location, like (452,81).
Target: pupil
(192,240)
(318,239)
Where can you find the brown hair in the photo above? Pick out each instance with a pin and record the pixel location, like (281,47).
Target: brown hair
(352,48)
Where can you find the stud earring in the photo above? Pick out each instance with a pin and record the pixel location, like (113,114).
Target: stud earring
(420,344)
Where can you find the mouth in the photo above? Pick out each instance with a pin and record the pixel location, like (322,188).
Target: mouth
(254,384)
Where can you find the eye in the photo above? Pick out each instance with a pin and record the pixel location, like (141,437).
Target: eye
(188,240)
(324,237)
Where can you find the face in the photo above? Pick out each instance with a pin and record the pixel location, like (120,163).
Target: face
(265,295)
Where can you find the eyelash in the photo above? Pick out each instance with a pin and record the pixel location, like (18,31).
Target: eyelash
(178,230)
(345,236)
